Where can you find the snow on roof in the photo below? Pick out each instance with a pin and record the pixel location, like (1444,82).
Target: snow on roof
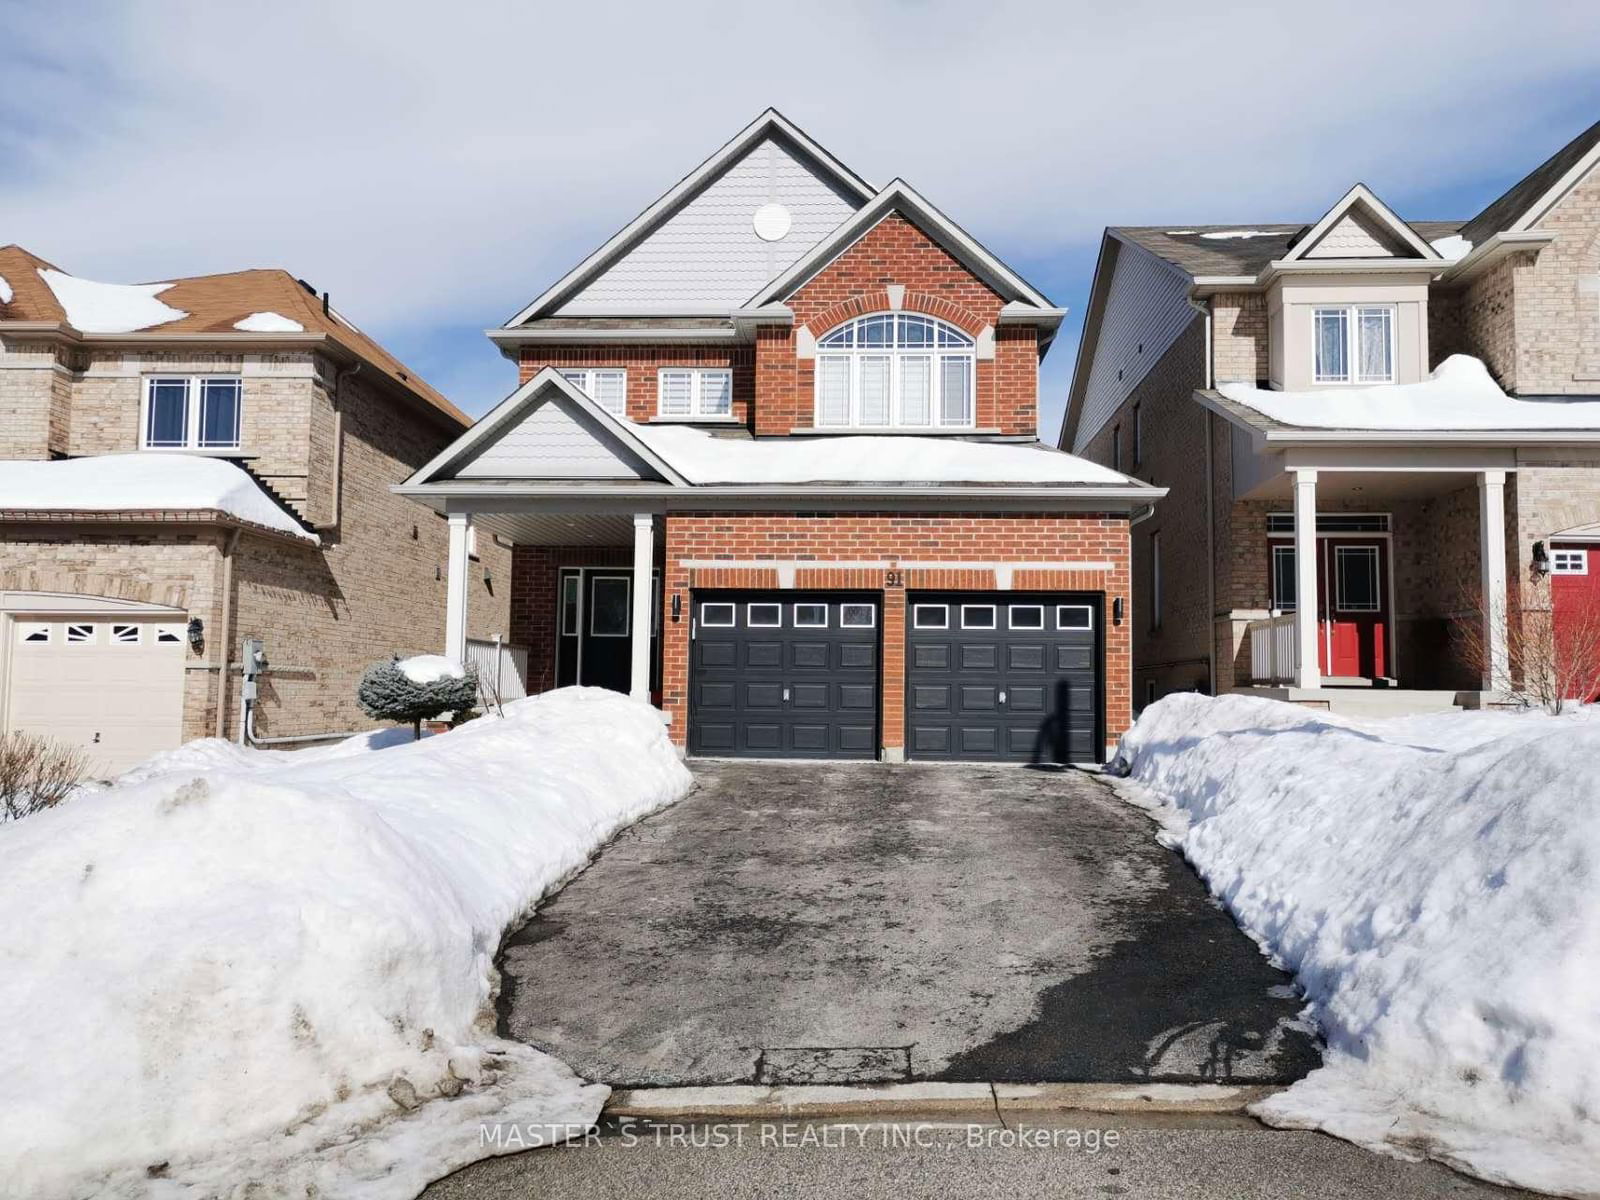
(1451,248)
(1460,394)
(1231,234)
(110,307)
(5,291)
(268,322)
(138,482)
(704,458)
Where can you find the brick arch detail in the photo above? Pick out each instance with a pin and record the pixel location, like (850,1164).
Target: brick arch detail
(918,303)
(96,584)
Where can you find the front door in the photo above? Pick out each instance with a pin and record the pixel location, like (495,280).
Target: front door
(1355,617)
(594,637)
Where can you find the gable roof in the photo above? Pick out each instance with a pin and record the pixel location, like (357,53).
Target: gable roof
(1527,200)
(204,304)
(770,124)
(1241,248)
(549,385)
(1360,199)
(899,196)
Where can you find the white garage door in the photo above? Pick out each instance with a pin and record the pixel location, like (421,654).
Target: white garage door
(111,684)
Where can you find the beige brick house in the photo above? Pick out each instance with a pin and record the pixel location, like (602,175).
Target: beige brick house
(774,466)
(1294,386)
(187,464)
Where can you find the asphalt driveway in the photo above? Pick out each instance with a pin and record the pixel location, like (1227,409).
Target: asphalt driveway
(836,923)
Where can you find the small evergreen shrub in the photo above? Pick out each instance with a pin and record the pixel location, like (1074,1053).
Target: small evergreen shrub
(386,693)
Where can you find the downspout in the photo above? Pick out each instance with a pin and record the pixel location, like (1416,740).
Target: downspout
(224,635)
(1206,376)
(336,506)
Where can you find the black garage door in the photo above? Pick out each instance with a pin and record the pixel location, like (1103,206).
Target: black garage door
(1012,676)
(784,675)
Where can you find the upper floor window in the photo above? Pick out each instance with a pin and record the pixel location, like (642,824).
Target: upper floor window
(606,387)
(895,369)
(1354,343)
(697,393)
(198,412)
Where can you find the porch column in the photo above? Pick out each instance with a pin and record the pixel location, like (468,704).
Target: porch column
(455,590)
(1307,674)
(643,551)
(1492,557)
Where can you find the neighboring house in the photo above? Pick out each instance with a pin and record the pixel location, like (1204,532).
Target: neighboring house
(774,464)
(192,464)
(1276,378)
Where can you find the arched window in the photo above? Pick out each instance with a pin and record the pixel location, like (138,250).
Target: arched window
(894,370)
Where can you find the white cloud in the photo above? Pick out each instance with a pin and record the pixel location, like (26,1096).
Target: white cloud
(434,165)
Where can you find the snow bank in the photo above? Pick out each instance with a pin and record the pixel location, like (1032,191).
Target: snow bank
(1452,248)
(1460,394)
(278,974)
(705,458)
(430,668)
(117,482)
(109,307)
(268,322)
(6,293)
(1434,884)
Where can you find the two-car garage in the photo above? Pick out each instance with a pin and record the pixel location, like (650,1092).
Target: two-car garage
(986,676)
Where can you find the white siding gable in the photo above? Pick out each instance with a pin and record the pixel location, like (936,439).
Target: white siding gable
(1146,309)
(1355,236)
(707,254)
(551,442)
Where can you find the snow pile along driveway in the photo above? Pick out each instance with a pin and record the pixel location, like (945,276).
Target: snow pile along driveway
(275,974)
(1434,885)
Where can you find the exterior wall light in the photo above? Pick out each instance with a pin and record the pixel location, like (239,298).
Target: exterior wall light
(1116,611)
(197,634)
(1541,560)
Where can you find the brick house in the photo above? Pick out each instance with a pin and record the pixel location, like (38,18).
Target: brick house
(1294,387)
(189,464)
(774,465)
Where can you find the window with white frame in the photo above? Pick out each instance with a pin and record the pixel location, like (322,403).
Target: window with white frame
(1353,343)
(606,386)
(193,412)
(1569,562)
(895,370)
(694,393)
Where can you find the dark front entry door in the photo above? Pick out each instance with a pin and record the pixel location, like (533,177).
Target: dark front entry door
(784,675)
(594,636)
(1013,676)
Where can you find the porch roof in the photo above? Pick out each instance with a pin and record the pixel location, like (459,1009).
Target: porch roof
(1460,403)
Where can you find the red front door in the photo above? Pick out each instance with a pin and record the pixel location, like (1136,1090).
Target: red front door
(1575,596)
(1353,607)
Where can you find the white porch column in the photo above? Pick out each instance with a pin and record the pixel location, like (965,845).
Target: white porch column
(1307,674)
(455,592)
(1492,557)
(643,552)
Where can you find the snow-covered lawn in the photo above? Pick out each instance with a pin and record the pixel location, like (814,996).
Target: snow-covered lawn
(272,974)
(1434,884)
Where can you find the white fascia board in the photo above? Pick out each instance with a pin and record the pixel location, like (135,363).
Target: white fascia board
(512,407)
(1362,194)
(637,333)
(768,122)
(1206,285)
(900,194)
(1281,438)
(1486,254)
(1017,313)
(1352,266)
(493,496)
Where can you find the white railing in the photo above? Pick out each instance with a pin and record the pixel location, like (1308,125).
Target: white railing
(502,669)
(1273,650)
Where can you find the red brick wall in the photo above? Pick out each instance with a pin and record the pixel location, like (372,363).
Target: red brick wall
(643,362)
(896,252)
(533,599)
(817,538)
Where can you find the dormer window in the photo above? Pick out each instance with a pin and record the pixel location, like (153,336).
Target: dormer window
(895,370)
(1353,343)
(191,413)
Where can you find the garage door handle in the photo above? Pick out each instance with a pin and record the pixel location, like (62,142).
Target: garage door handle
(1002,697)
(786,695)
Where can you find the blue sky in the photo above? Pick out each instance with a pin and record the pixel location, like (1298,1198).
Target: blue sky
(435,167)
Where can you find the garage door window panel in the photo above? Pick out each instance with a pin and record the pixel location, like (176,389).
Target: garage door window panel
(717,616)
(1074,616)
(930,616)
(764,616)
(78,635)
(125,635)
(1026,616)
(858,616)
(33,633)
(977,616)
(810,616)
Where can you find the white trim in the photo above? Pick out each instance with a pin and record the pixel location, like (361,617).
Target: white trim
(750,621)
(918,609)
(193,403)
(799,624)
(900,196)
(1086,609)
(769,122)
(1361,194)
(992,609)
(733,614)
(1013,609)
